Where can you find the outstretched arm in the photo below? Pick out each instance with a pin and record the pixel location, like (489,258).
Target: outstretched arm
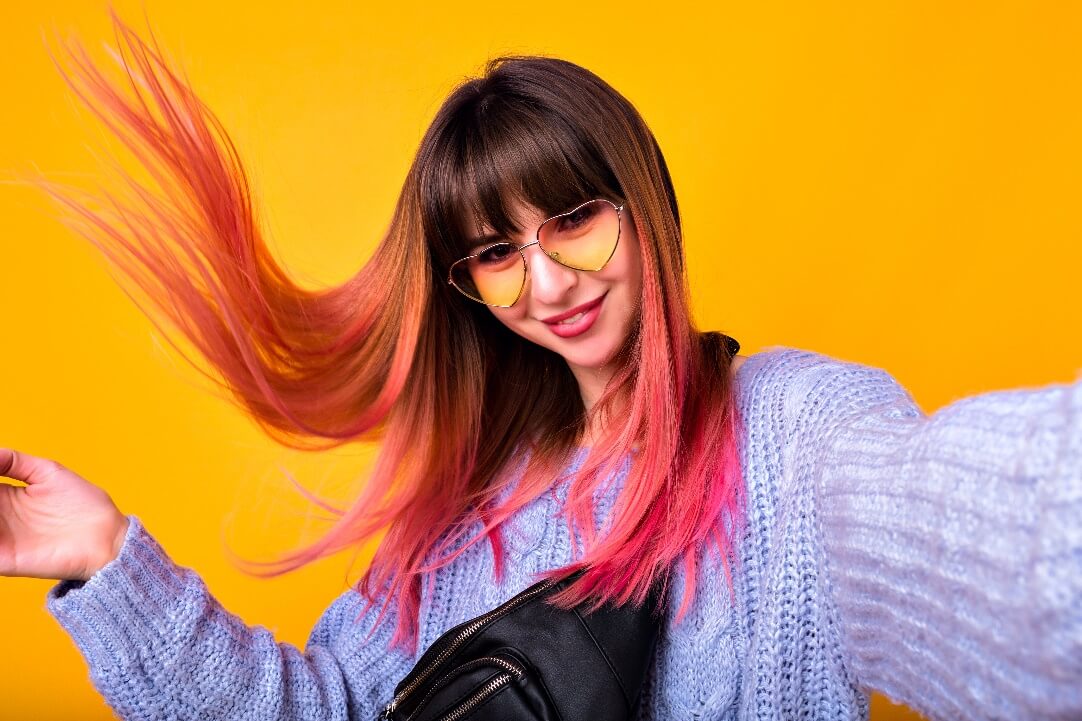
(159,646)
(953,547)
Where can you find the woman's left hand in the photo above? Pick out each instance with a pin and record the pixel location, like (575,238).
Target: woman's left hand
(59,526)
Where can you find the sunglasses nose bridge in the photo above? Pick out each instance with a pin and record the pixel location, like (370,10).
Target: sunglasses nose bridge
(547,281)
(536,241)
(541,250)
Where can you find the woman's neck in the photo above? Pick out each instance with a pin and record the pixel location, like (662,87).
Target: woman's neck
(596,423)
(591,382)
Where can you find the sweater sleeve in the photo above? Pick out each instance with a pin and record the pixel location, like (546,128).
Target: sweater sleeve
(159,646)
(953,545)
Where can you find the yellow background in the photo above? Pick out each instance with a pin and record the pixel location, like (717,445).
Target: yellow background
(893,183)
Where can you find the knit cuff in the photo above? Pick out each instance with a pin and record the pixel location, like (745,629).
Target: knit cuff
(124,610)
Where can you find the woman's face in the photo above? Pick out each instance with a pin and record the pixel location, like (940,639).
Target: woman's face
(611,297)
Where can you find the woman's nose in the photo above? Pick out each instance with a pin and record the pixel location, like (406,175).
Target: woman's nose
(546,280)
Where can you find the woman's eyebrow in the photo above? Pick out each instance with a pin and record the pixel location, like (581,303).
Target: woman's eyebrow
(485,239)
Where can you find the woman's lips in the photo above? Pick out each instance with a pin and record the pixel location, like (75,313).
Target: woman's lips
(589,313)
(577,309)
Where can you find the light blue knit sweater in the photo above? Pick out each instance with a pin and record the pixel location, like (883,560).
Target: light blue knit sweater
(937,559)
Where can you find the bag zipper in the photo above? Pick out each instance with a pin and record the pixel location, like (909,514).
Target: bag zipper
(516,671)
(485,691)
(461,638)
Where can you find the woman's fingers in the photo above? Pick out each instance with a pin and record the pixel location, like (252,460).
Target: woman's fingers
(61,526)
(8,460)
(26,468)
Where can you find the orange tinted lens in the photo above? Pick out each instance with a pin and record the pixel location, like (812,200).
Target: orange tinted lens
(494,276)
(585,238)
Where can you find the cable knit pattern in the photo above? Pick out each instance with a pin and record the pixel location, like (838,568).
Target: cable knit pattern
(937,559)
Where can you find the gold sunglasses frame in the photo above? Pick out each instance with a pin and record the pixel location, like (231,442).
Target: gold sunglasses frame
(537,241)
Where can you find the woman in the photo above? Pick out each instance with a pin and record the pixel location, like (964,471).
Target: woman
(521,343)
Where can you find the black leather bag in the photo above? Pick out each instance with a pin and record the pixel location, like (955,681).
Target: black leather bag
(528,660)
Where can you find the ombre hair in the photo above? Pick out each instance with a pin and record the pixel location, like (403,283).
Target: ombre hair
(395,355)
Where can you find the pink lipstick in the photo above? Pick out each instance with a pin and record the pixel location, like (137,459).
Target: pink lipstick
(576,321)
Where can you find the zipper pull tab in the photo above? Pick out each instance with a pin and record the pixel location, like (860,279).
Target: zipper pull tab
(387,711)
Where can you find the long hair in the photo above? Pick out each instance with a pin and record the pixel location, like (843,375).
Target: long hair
(395,355)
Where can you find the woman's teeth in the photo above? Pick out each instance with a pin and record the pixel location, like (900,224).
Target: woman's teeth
(572,319)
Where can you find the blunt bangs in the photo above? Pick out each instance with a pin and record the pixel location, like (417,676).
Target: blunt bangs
(501,148)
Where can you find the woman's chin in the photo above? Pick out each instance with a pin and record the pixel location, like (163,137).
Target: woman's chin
(595,362)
